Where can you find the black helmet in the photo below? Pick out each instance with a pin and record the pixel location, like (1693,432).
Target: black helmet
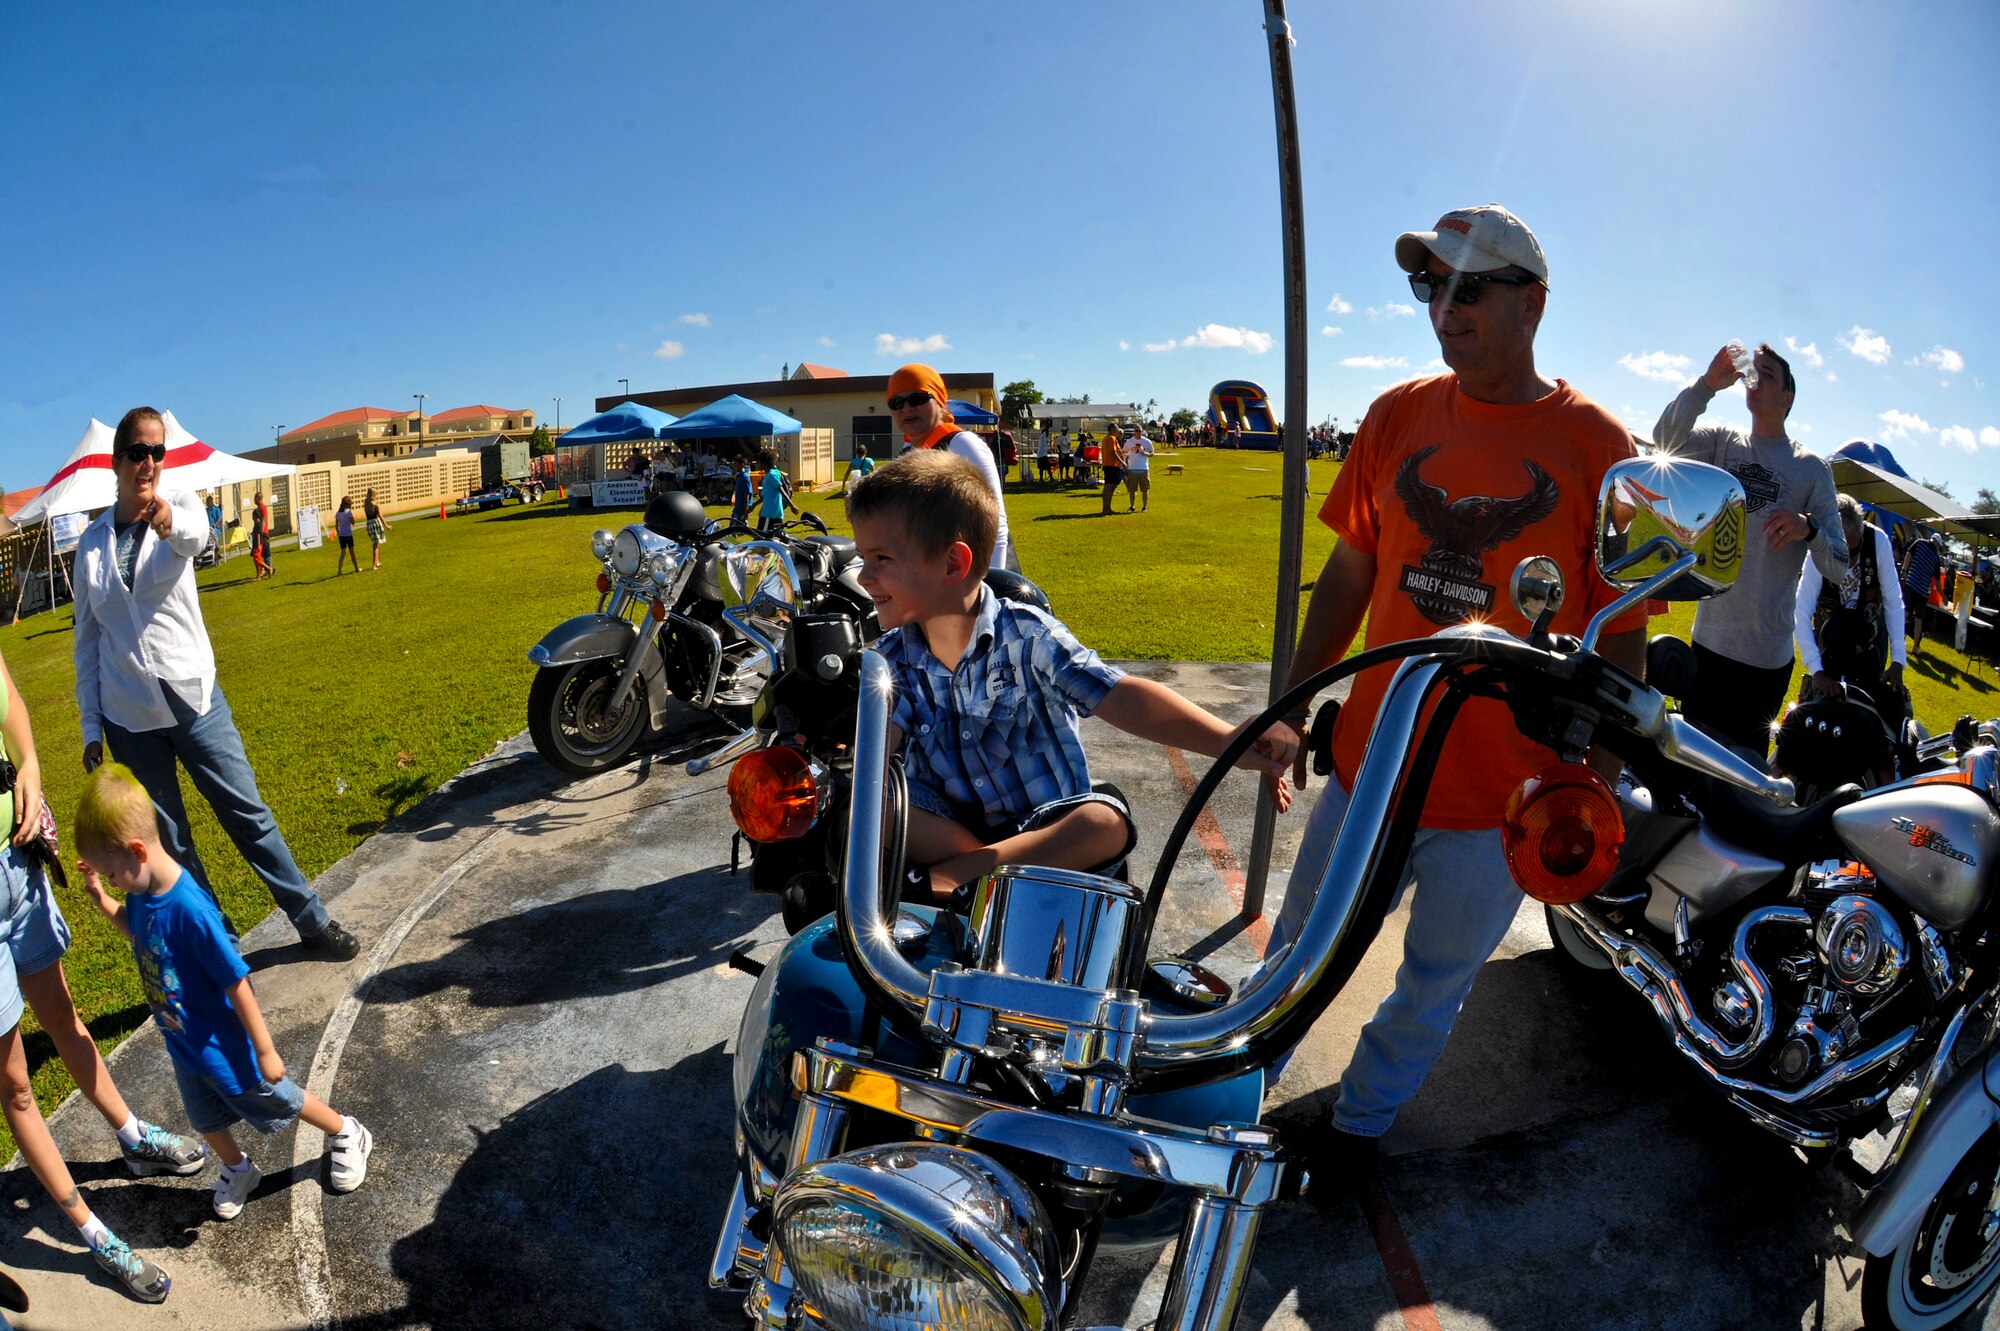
(676,515)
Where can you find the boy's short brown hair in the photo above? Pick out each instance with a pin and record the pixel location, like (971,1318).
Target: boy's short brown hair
(939,498)
(114,812)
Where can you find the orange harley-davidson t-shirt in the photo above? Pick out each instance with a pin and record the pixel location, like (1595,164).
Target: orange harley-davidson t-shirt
(1449,494)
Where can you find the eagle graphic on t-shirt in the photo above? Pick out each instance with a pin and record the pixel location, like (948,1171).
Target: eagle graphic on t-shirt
(1447,587)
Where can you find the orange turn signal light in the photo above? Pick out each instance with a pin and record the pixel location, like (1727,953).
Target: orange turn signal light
(658,611)
(1561,833)
(603,584)
(772,794)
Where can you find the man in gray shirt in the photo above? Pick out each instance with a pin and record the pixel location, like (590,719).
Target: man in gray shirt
(1743,639)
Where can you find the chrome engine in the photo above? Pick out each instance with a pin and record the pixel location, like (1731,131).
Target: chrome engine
(1861,948)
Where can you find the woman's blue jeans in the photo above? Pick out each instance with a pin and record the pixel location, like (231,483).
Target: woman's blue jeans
(211,750)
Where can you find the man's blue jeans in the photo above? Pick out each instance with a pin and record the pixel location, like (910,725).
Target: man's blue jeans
(211,750)
(1465,902)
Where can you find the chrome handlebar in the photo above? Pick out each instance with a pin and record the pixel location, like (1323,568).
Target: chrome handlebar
(864,933)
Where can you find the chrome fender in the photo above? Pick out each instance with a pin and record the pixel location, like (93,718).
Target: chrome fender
(1954,1121)
(600,637)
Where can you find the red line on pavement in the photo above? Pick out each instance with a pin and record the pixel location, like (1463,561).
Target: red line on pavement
(1413,1298)
(1406,1281)
(1216,846)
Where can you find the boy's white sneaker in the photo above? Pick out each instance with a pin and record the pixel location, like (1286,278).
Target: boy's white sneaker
(233,1188)
(347,1154)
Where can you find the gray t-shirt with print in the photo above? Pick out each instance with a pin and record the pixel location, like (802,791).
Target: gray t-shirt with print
(1752,621)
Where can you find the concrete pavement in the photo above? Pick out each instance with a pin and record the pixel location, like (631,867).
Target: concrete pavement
(540,1028)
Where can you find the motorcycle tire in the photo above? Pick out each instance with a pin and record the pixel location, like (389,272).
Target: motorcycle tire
(568,722)
(1573,954)
(1950,1262)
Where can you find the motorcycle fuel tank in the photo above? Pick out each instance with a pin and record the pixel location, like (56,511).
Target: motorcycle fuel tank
(1932,845)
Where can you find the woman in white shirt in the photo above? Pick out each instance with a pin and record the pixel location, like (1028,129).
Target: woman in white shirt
(917,406)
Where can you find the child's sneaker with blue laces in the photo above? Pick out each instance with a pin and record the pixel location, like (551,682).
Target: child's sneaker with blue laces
(163,1152)
(133,1273)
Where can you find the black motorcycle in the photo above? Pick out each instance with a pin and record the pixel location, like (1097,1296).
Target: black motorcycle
(603,679)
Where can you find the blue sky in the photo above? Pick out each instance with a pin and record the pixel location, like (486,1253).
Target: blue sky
(257,214)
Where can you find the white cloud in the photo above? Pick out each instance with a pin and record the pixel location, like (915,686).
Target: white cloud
(1339,306)
(1943,358)
(1809,353)
(1123,345)
(622,348)
(1393,310)
(1434,363)
(1374,362)
(1329,330)
(1867,344)
(1664,366)
(1167,345)
(1801,426)
(1832,378)
(1223,337)
(1957,436)
(669,350)
(888,344)
(695,320)
(1902,424)
(826,341)
(1990,437)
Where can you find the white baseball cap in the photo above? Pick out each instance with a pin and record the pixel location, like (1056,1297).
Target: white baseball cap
(1475,240)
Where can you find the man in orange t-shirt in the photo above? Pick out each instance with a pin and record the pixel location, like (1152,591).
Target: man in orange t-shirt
(1452,481)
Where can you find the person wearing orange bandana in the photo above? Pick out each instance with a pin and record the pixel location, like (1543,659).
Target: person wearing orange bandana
(917,404)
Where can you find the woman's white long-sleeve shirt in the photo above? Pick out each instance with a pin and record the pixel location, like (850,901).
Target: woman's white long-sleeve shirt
(133,644)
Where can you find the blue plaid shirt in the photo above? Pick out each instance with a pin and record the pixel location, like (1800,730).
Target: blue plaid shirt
(997,738)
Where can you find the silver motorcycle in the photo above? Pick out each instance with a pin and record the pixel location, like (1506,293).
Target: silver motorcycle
(941,1120)
(660,631)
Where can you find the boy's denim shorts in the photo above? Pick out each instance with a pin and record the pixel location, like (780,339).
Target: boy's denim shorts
(1101,792)
(270,1108)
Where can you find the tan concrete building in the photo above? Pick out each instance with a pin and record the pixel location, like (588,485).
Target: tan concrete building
(854,407)
(374,434)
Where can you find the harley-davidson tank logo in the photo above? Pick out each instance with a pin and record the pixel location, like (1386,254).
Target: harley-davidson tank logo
(1760,487)
(1446,585)
(1929,838)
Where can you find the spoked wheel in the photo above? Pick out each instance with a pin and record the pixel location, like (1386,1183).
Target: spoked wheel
(1951,1261)
(571,719)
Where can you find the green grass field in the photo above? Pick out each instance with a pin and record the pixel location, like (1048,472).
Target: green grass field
(358,695)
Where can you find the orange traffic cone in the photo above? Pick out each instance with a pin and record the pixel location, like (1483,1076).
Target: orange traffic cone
(441,513)
(562,492)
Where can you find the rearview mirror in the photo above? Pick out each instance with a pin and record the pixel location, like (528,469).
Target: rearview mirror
(759,571)
(1653,511)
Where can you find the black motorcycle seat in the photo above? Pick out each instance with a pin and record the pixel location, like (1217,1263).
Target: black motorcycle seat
(1793,836)
(840,549)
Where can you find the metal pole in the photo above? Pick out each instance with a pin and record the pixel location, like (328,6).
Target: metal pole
(1292,516)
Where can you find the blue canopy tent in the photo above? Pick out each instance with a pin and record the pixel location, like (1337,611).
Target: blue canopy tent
(734,417)
(969,416)
(624,422)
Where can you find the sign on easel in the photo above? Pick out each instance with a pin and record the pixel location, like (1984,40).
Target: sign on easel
(309,535)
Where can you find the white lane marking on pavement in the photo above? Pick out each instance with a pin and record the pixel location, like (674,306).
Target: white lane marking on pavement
(308,1218)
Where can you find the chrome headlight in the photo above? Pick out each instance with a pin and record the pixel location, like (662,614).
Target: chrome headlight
(600,543)
(908,1236)
(661,566)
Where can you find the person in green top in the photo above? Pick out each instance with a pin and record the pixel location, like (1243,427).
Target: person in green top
(35,937)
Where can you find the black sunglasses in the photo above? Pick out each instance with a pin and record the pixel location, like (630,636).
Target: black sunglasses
(908,400)
(140,452)
(1461,288)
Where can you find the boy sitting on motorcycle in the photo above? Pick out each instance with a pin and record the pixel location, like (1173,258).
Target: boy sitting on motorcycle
(988,692)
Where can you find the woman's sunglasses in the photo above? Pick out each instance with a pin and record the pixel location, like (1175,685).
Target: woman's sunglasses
(1462,288)
(140,452)
(902,400)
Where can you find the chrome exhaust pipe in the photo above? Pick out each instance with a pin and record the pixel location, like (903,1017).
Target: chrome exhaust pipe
(1660,982)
